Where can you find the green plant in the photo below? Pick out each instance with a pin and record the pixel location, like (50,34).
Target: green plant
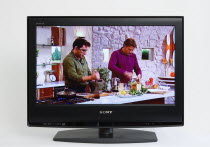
(56,55)
(104,74)
(37,74)
(143,89)
(145,54)
(37,52)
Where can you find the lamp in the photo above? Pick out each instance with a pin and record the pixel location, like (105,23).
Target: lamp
(80,34)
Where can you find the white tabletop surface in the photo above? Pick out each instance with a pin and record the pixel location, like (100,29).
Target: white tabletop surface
(113,99)
(51,84)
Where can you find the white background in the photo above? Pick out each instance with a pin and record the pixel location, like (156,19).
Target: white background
(13,71)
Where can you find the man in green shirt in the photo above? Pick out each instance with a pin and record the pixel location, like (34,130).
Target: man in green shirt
(75,67)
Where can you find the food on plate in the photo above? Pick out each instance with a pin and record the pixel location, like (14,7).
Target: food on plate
(138,87)
(144,90)
(155,86)
(172,74)
(123,92)
(150,82)
(135,85)
(135,92)
(138,92)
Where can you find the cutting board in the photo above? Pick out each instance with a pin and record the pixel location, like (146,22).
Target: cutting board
(91,95)
(157,91)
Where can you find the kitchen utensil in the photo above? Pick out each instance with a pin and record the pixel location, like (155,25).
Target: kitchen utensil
(66,94)
(92,85)
(115,83)
(49,76)
(91,95)
(96,91)
(157,91)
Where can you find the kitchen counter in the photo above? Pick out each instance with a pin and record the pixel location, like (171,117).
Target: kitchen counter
(51,84)
(117,100)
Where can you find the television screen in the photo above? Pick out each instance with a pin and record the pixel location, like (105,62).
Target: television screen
(135,64)
(105,73)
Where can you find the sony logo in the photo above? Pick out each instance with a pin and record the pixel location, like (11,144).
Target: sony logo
(105,112)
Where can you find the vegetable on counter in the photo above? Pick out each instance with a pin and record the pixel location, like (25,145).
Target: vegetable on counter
(144,90)
(135,92)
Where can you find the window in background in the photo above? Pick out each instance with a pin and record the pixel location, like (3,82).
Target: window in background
(56,54)
(148,54)
(106,55)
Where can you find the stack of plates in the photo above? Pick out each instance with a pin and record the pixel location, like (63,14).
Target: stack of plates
(170,81)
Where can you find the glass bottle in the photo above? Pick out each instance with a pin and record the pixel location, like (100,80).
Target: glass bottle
(52,40)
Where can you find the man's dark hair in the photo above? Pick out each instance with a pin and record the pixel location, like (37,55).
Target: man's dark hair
(79,42)
(130,42)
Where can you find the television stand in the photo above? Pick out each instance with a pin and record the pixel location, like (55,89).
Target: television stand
(105,135)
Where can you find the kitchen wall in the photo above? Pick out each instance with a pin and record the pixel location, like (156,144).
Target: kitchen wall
(72,32)
(112,37)
(44,56)
(43,37)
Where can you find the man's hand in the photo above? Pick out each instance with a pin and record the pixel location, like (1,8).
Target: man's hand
(128,74)
(95,75)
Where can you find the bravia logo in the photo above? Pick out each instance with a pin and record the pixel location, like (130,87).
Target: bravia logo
(105,112)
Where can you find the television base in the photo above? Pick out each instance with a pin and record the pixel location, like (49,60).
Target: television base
(105,135)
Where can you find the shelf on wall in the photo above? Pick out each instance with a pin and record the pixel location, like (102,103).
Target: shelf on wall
(43,45)
(45,64)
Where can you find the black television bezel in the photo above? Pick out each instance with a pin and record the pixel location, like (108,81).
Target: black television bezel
(123,115)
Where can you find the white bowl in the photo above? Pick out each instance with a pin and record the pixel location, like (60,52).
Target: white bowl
(164,87)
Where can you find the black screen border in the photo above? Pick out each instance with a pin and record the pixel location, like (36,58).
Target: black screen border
(130,115)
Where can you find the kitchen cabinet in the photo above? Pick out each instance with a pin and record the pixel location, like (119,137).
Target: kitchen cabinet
(153,101)
(44,93)
(59,36)
(45,36)
(58,71)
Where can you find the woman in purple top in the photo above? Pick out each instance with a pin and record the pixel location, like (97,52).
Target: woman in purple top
(124,61)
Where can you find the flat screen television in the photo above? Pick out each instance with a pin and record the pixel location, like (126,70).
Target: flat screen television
(101,73)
